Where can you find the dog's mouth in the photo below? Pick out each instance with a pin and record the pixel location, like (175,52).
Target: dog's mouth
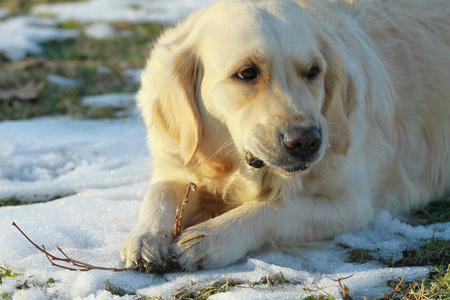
(257,163)
(253,161)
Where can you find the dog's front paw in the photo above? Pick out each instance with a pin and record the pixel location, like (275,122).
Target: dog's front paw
(148,252)
(200,247)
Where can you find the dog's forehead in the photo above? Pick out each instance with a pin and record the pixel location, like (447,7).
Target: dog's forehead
(235,15)
(258,27)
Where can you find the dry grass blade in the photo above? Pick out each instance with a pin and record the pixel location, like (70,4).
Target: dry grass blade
(27,92)
(79,266)
(397,291)
(215,287)
(344,288)
(269,283)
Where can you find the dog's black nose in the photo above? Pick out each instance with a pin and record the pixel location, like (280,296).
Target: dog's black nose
(302,142)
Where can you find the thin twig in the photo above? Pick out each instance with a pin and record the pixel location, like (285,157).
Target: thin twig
(179,213)
(80,266)
(54,264)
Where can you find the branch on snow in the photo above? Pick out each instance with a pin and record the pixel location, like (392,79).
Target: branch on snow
(76,265)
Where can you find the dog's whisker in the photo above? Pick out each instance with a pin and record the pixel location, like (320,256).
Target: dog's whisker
(228,143)
(230,151)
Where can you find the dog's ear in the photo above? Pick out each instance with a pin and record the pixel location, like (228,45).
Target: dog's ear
(340,97)
(175,110)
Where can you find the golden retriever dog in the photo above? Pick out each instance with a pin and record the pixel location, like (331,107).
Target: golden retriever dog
(296,120)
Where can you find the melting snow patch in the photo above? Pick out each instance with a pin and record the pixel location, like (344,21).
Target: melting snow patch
(99,31)
(132,11)
(21,35)
(117,100)
(134,74)
(63,81)
(3,13)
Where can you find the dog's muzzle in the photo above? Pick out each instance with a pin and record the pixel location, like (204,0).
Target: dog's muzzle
(298,149)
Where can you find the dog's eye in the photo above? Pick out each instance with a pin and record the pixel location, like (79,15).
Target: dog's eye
(312,73)
(247,73)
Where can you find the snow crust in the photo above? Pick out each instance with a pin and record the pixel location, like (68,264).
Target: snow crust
(132,11)
(50,157)
(102,166)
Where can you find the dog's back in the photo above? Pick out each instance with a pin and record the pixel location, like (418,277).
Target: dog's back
(412,119)
(413,38)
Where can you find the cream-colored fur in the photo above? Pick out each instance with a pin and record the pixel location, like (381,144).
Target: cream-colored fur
(381,100)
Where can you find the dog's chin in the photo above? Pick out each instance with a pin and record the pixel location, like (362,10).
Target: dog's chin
(287,170)
(296,168)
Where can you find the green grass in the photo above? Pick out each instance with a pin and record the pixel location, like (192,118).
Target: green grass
(11,202)
(435,287)
(358,255)
(5,273)
(21,283)
(14,201)
(115,290)
(436,212)
(189,291)
(97,64)
(433,252)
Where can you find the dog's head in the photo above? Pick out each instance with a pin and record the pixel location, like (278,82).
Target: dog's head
(261,77)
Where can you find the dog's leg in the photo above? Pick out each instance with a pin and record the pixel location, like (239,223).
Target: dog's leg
(149,241)
(225,239)
(229,237)
(314,219)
